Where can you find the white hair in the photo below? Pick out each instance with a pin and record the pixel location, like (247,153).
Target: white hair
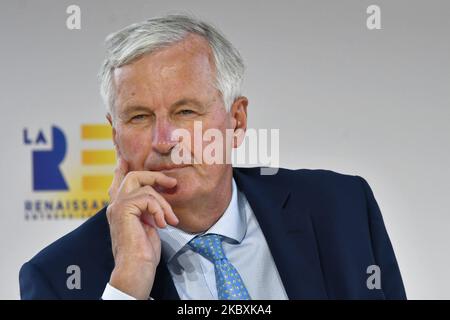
(145,37)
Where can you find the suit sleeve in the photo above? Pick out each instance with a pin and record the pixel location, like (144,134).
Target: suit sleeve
(391,280)
(34,285)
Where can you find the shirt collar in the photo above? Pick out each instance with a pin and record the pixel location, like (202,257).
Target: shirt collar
(232,225)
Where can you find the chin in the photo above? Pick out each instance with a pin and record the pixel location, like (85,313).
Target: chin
(179,197)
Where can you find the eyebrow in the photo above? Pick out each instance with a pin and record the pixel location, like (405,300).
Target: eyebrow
(181,102)
(187,101)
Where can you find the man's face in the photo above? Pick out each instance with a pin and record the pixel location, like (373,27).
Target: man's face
(163,91)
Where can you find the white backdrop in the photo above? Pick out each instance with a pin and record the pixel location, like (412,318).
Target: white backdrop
(370,102)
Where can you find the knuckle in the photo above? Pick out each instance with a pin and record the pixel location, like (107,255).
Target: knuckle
(150,197)
(153,203)
(159,175)
(130,175)
(147,189)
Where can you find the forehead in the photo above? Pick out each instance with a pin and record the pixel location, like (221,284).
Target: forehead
(185,68)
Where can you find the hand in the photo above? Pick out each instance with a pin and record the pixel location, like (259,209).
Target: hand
(134,213)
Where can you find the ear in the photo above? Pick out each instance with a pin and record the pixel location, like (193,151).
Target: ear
(238,114)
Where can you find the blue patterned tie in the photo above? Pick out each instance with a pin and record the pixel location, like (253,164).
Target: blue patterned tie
(228,281)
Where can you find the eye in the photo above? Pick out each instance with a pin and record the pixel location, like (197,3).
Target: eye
(185,112)
(139,117)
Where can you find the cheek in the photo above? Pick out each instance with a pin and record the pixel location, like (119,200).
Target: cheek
(220,125)
(134,147)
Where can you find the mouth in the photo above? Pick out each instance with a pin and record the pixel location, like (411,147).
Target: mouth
(167,191)
(171,171)
(169,168)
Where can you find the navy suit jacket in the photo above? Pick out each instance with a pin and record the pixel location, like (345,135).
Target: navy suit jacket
(324,229)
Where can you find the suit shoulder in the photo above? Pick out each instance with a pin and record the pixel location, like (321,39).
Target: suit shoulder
(85,240)
(331,186)
(86,249)
(317,187)
(322,177)
(319,178)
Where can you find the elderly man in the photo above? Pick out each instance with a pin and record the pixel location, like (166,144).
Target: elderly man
(201,230)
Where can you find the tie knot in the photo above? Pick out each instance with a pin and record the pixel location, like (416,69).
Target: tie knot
(209,246)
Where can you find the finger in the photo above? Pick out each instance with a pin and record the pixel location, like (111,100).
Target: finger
(148,220)
(153,235)
(154,239)
(148,205)
(119,173)
(136,179)
(169,215)
(155,209)
(147,209)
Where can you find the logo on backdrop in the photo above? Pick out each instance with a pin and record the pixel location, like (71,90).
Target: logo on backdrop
(66,180)
(46,163)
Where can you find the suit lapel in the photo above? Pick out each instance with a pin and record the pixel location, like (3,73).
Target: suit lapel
(289,232)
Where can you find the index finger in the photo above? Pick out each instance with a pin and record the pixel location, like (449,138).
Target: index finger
(137,179)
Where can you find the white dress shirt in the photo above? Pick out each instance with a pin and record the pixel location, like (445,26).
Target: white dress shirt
(244,245)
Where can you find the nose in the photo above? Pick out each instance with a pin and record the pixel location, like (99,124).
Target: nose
(162,133)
